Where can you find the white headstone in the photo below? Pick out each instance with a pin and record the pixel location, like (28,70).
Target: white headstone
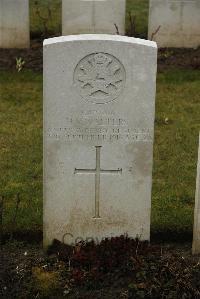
(99,100)
(93,16)
(14,24)
(175,23)
(196,229)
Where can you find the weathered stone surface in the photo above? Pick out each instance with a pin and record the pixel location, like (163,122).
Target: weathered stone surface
(178,22)
(99,100)
(93,16)
(196,229)
(14,24)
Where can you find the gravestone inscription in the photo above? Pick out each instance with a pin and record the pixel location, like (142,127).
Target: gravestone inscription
(93,16)
(99,100)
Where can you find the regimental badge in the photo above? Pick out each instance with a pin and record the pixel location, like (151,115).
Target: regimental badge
(99,78)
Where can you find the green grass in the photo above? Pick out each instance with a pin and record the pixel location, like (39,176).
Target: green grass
(21,146)
(45,17)
(175,150)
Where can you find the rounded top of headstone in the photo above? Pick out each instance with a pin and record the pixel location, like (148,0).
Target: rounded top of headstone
(100,37)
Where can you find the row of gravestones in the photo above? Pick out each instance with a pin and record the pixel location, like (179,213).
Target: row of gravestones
(172,23)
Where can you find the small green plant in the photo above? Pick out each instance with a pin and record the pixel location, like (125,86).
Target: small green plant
(19,64)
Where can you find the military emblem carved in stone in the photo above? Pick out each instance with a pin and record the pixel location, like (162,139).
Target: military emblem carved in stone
(99,78)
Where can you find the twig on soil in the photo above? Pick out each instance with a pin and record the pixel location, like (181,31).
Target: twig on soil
(117,29)
(132,29)
(154,33)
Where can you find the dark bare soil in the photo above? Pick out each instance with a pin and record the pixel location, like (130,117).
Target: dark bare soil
(167,58)
(32,57)
(179,58)
(117,268)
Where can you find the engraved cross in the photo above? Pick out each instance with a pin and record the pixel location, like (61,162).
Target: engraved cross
(98,171)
